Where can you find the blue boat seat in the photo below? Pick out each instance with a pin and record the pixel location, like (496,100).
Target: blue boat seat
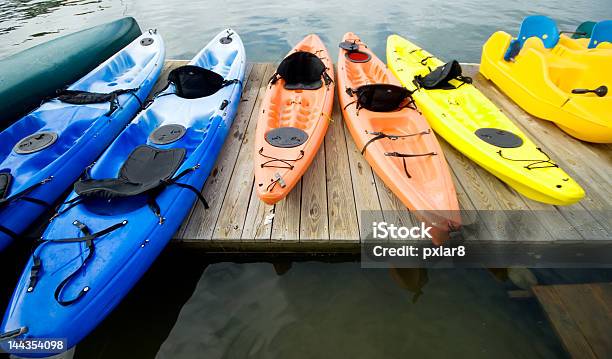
(538,26)
(602,32)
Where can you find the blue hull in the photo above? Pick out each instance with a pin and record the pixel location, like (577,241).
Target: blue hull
(124,255)
(84,132)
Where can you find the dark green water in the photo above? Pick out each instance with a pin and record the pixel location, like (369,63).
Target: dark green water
(186,308)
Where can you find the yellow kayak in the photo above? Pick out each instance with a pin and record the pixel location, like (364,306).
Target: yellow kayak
(554,77)
(472,124)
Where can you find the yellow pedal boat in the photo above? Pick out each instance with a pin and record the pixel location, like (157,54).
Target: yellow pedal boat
(472,124)
(554,77)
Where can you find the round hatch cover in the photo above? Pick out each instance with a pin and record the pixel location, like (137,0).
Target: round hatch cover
(167,134)
(35,142)
(226,40)
(286,137)
(358,56)
(146,41)
(499,138)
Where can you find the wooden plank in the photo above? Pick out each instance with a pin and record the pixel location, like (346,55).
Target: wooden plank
(259,218)
(591,314)
(367,204)
(256,216)
(286,223)
(581,316)
(201,221)
(341,210)
(313,222)
(393,210)
(471,221)
(572,338)
(230,222)
(480,196)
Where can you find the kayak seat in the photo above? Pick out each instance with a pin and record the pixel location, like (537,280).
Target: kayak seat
(538,26)
(196,82)
(5,183)
(382,97)
(146,169)
(439,78)
(302,71)
(602,32)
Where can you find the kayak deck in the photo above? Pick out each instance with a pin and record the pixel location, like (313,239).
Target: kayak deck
(323,212)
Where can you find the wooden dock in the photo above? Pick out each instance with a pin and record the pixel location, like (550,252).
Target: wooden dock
(581,315)
(323,212)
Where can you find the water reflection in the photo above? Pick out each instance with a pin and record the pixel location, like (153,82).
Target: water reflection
(27,23)
(411,279)
(186,308)
(339,310)
(451,29)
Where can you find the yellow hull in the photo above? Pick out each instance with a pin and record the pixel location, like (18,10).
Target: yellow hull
(457,114)
(541,81)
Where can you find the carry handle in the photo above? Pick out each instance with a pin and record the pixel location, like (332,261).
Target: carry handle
(601,91)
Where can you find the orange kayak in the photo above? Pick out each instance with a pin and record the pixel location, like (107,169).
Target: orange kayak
(293,120)
(395,138)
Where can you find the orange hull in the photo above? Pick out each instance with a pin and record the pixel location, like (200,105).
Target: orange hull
(428,189)
(308,110)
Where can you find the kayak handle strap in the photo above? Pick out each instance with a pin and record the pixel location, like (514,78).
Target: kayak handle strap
(601,91)
(535,164)
(13,333)
(89,240)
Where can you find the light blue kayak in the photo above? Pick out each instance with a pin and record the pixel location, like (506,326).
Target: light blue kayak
(45,152)
(136,196)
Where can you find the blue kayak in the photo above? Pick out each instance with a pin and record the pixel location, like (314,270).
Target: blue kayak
(46,151)
(126,209)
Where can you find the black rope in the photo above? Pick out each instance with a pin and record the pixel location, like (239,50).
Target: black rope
(71,204)
(89,240)
(284,161)
(381,135)
(273,184)
(194,190)
(152,201)
(424,60)
(534,163)
(22,195)
(114,102)
(403,156)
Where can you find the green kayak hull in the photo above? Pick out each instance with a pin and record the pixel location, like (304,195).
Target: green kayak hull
(30,76)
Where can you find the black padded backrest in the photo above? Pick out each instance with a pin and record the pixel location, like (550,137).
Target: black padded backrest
(302,71)
(145,169)
(440,76)
(382,97)
(195,82)
(147,164)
